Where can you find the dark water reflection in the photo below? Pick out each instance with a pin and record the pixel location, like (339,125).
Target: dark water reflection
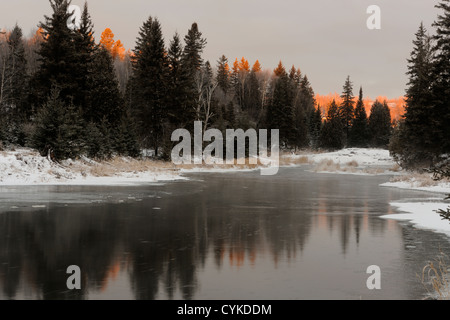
(298,235)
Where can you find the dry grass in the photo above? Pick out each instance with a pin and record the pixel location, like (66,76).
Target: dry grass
(127,165)
(224,165)
(374,171)
(419,179)
(296,160)
(435,277)
(120,165)
(396,168)
(328,165)
(353,163)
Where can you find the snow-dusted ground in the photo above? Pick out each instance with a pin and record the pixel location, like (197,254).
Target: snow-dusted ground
(363,157)
(417,184)
(27,167)
(422,215)
(358,161)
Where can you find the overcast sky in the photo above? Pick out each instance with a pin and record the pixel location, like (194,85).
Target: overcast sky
(326,39)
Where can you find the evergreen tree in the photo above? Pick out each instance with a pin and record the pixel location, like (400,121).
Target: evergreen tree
(253,96)
(14,93)
(178,83)
(125,137)
(280,113)
(332,134)
(58,57)
(440,88)
(417,139)
(380,126)
(192,55)
(315,126)
(307,99)
(105,98)
(223,74)
(59,130)
(359,133)
(346,109)
(15,85)
(84,46)
(98,140)
(149,81)
(191,63)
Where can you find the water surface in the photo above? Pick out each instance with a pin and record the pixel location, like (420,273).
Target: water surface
(297,235)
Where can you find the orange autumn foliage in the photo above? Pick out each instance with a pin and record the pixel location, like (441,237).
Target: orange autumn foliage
(256,67)
(116,48)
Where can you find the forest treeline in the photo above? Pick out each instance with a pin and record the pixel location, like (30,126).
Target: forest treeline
(66,95)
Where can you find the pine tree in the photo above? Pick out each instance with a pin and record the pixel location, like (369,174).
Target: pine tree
(315,126)
(84,60)
(98,143)
(105,98)
(125,137)
(178,83)
(380,127)
(223,74)
(14,93)
(346,109)
(59,130)
(359,133)
(440,88)
(332,134)
(191,63)
(417,132)
(149,81)
(15,86)
(253,96)
(280,113)
(58,54)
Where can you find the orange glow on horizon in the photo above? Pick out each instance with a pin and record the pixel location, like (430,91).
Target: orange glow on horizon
(396,105)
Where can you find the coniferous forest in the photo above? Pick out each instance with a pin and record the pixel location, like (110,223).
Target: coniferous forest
(66,95)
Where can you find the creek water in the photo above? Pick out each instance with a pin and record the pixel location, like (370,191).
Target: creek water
(296,235)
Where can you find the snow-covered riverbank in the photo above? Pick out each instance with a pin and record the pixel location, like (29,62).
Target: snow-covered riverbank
(28,167)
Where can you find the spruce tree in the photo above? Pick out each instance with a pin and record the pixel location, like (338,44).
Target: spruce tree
(178,83)
(346,109)
(14,104)
(280,113)
(86,68)
(149,81)
(315,126)
(417,144)
(359,133)
(59,130)
(440,88)
(58,57)
(307,98)
(105,98)
(15,87)
(332,133)
(380,126)
(223,74)
(191,63)
(253,96)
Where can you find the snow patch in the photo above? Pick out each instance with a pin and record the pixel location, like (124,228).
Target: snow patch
(422,215)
